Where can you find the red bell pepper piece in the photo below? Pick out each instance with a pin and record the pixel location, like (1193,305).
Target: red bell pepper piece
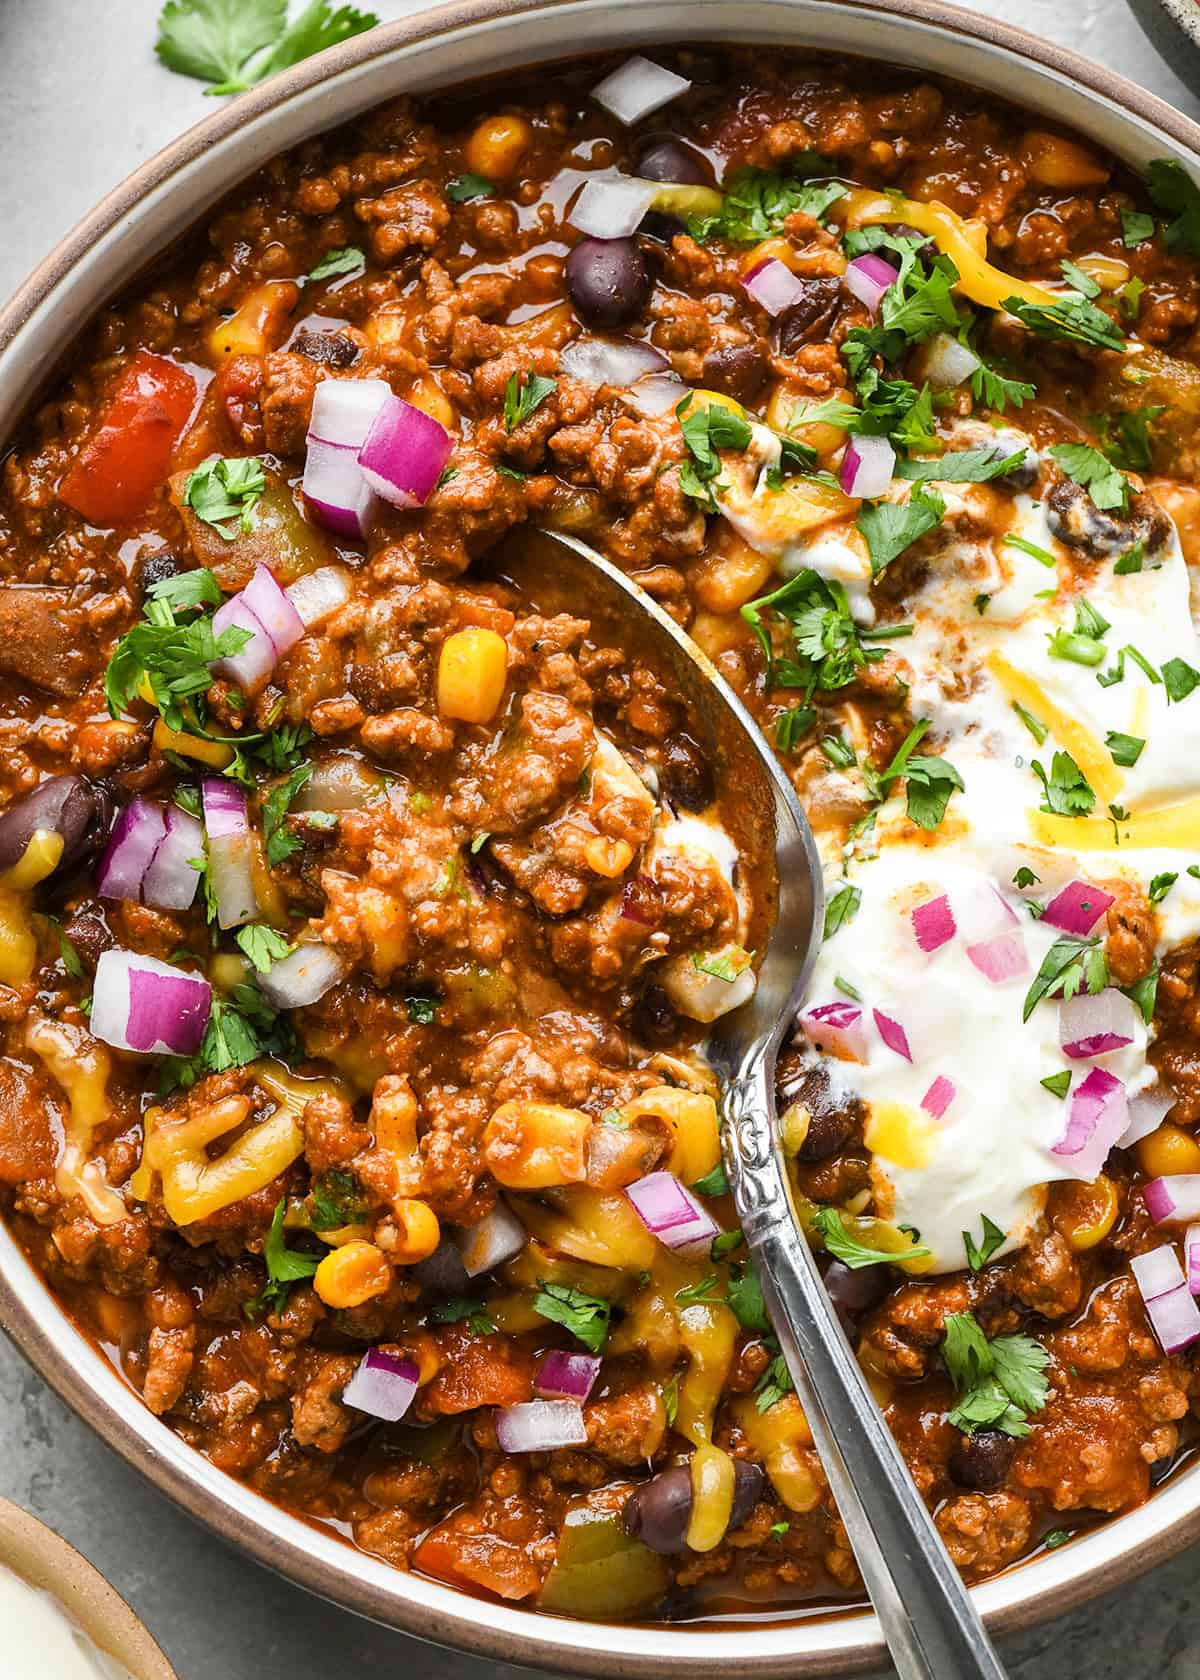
(127,456)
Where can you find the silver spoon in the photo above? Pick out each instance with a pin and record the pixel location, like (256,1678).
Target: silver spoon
(931,1626)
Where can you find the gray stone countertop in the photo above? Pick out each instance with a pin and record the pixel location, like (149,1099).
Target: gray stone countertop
(83,97)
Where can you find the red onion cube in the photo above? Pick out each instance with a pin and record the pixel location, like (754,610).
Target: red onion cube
(141,1004)
(656,394)
(319,593)
(892,1034)
(773,285)
(981,913)
(336,491)
(1191,1258)
(939,1096)
(612,208)
(1000,959)
(541,1426)
(1147,1111)
(404,454)
(670,1212)
(637,88)
(1077,908)
(137,834)
(945,362)
(171,882)
(383,1385)
(933,923)
(273,610)
(249,668)
(343,410)
(1175,1319)
(1097,1114)
(836,1029)
(1157,1272)
(867,466)
(497,1238)
(607,361)
(567,1376)
(1093,1023)
(867,278)
(230,862)
(302,977)
(1174,1199)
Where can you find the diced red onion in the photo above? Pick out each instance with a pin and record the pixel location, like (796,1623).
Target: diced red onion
(1175,1319)
(671,1213)
(1077,908)
(567,1376)
(248,669)
(1097,1114)
(319,593)
(497,1238)
(1172,1200)
(892,1034)
(868,278)
(867,466)
(1157,1272)
(229,851)
(655,395)
(607,361)
(772,284)
(612,208)
(837,1029)
(404,453)
(273,610)
(1093,1023)
(939,1096)
(946,362)
(1147,1111)
(540,1426)
(637,88)
(302,977)
(383,1385)
(1000,959)
(137,834)
(933,923)
(1191,1259)
(443,1273)
(139,1003)
(171,882)
(981,912)
(334,486)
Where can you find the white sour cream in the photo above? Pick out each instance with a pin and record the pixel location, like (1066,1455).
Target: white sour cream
(42,1643)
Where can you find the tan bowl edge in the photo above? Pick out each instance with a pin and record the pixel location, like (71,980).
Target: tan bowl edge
(43,1558)
(103,1401)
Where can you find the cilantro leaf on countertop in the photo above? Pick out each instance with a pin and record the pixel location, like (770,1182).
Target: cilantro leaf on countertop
(235,44)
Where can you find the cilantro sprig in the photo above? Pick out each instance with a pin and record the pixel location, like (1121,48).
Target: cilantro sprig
(235,44)
(585,1316)
(285,1267)
(523,398)
(169,654)
(757,202)
(1072,964)
(846,1247)
(999,1382)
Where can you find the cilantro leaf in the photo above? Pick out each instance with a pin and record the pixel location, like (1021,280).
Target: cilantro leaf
(213,40)
(774,1383)
(724,965)
(224,489)
(962,466)
(520,401)
(1070,964)
(262,945)
(1058,1084)
(463,188)
(278,840)
(845,1246)
(1104,483)
(713,1183)
(1172,189)
(1179,679)
(1125,749)
(342,261)
(999,1381)
(285,1266)
(978,1254)
(1132,449)
(826,650)
(1066,791)
(337,1200)
(460,1309)
(746,1299)
(757,202)
(585,1316)
(929,782)
(318,26)
(841,907)
(422,1008)
(172,658)
(1136,228)
(1075,277)
(1072,320)
(888,528)
(197,588)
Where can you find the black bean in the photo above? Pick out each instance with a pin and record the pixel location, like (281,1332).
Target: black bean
(79,810)
(980,1461)
(854,1290)
(330,349)
(739,370)
(658,1512)
(811,316)
(156,568)
(90,937)
(684,778)
(1076,521)
(669,159)
(608,280)
(654,1021)
(831,1120)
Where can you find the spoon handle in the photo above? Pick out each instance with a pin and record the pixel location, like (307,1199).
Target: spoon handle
(931,1626)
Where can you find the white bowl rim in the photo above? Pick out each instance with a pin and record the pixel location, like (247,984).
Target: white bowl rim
(92,262)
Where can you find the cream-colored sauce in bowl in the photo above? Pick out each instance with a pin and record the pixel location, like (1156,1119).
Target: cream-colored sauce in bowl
(41,1642)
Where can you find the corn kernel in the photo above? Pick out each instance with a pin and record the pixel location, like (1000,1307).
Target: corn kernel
(472,671)
(1085,1213)
(1167,1151)
(727,581)
(497,146)
(351,1275)
(419,1231)
(1056,162)
(607,857)
(533,1146)
(427,395)
(1109,273)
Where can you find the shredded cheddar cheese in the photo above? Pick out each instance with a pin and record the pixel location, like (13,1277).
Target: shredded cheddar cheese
(1090,754)
(81,1066)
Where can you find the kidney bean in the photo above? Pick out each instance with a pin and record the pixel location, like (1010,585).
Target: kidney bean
(608,281)
(683,776)
(79,810)
(980,1461)
(668,159)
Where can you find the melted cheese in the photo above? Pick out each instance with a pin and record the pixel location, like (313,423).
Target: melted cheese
(81,1066)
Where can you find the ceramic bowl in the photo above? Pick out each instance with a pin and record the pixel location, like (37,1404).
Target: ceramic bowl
(440,48)
(44,1559)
